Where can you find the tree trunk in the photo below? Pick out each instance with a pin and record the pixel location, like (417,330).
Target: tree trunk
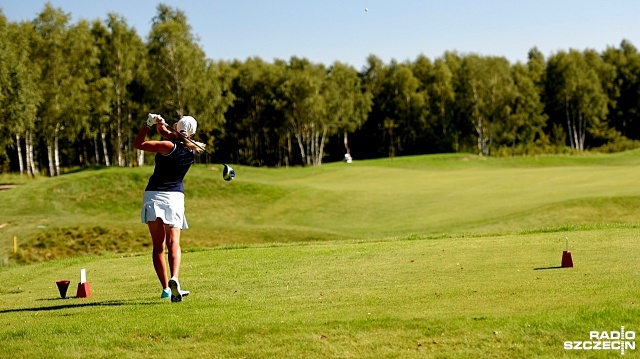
(309,141)
(483,136)
(31,166)
(105,151)
(572,126)
(321,151)
(140,157)
(568,117)
(301,145)
(346,144)
(119,142)
(56,156)
(316,147)
(573,131)
(313,151)
(50,158)
(28,155)
(582,131)
(19,148)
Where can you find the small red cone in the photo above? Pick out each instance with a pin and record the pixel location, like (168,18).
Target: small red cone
(567,261)
(63,285)
(84,291)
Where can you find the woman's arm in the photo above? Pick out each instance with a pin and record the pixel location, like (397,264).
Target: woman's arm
(140,143)
(164,132)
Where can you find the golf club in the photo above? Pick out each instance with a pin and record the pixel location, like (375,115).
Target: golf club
(227,173)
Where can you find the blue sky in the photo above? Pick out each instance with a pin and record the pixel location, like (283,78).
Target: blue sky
(341,30)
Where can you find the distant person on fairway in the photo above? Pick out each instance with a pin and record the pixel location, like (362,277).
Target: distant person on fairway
(163,201)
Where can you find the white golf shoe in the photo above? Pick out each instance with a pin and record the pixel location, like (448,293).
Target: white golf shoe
(176,293)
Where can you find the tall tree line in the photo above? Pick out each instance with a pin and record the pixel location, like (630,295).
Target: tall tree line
(74,95)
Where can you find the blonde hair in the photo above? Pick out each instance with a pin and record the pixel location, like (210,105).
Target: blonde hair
(195,146)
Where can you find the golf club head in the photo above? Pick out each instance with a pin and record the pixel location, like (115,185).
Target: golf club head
(228,173)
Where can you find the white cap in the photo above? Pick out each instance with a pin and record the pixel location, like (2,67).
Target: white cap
(188,125)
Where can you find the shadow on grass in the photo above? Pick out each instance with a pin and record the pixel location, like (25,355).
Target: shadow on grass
(86,169)
(108,303)
(545,268)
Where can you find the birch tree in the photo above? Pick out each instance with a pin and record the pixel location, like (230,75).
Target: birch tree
(181,80)
(575,93)
(122,56)
(6,56)
(22,95)
(486,94)
(177,64)
(101,93)
(51,26)
(301,102)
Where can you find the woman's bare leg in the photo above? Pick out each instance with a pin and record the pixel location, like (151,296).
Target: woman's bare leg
(157,231)
(175,252)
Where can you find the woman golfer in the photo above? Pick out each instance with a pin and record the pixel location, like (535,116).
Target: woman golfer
(163,201)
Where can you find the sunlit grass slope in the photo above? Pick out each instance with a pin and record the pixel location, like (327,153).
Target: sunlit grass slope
(423,195)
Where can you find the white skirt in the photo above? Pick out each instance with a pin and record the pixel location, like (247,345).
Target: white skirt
(168,206)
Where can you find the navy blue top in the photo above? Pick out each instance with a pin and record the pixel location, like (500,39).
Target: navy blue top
(171,168)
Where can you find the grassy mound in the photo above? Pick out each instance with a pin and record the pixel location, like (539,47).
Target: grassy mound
(421,195)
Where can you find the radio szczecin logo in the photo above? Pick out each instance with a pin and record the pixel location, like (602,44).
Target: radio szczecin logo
(622,340)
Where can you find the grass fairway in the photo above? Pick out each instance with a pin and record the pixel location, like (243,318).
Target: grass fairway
(422,195)
(496,296)
(450,256)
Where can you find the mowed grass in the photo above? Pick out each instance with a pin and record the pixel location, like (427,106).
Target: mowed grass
(427,256)
(422,195)
(476,297)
